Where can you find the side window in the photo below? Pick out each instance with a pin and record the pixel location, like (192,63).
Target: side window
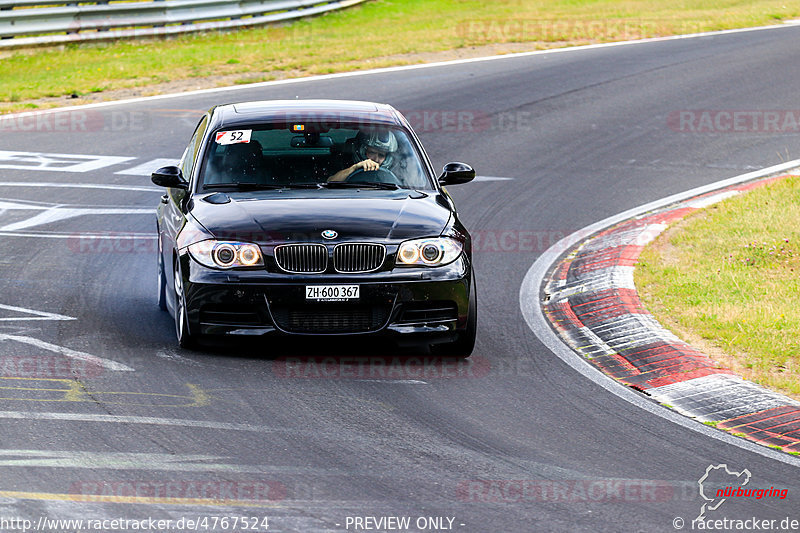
(190,155)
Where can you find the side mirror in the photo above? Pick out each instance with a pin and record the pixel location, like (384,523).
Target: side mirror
(455,173)
(170,177)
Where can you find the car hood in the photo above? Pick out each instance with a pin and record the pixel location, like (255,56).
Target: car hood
(274,217)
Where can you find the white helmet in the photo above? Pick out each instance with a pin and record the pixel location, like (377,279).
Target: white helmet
(379,140)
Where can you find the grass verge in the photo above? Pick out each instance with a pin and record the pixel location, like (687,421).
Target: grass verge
(725,279)
(375,34)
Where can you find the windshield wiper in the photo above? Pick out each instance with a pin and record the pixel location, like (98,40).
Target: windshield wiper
(313,185)
(361,185)
(243,186)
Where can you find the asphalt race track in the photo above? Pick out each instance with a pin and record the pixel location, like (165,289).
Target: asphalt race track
(97,402)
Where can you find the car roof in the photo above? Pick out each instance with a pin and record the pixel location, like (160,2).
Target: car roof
(304,110)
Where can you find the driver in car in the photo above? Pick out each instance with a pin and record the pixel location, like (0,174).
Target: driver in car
(373,151)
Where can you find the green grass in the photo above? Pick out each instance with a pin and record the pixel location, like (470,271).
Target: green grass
(726,278)
(378,33)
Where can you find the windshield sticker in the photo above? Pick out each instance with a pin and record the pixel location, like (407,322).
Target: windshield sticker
(233,137)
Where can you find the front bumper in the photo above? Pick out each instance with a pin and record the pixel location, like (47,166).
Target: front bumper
(430,303)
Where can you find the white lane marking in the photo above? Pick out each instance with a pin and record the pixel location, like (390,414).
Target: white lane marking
(80,235)
(82,186)
(404,68)
(531,308)
(145,169)
(67,352)
(156,421)
(491,178)
(700,203)
(141,461)
(25,205)
(395,381)
(30,205)
(171,356)
(57,162)
(37,315)
(55,214)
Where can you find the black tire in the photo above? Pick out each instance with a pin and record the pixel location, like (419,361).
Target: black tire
(162,282)
(186,339)
(462,347)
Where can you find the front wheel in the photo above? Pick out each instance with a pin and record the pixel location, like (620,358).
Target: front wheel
(186,339)
(462,347)
(162,282)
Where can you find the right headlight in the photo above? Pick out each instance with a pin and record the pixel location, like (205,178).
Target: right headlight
(431,252)
(214,253)
(226,254)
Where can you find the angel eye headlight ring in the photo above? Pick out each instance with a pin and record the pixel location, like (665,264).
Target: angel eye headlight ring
(249,255)
(431,252)
(224,255)
(408,253)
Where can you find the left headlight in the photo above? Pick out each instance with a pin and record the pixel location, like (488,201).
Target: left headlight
(226,254)
(429,252)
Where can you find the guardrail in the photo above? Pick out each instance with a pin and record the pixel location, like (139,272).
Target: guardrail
(28,23)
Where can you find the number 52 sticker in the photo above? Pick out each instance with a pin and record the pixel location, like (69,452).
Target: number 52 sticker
(233,137)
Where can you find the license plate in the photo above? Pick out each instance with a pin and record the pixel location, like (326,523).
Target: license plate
(332,293)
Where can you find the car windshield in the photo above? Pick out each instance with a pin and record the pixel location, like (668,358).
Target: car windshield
(311,155)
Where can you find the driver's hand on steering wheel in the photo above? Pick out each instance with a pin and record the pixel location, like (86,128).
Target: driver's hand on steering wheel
(367,164)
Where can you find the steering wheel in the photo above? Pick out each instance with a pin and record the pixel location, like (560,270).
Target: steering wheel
(382,175)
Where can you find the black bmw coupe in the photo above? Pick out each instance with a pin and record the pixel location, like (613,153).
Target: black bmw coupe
(314,217)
